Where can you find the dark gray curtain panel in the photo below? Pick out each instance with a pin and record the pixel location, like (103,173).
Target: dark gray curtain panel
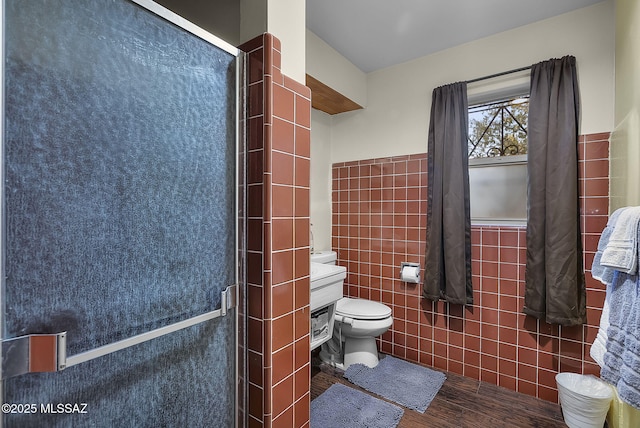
(448,254)
(555,289)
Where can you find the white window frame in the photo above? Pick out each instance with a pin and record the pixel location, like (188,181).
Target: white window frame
(497,89)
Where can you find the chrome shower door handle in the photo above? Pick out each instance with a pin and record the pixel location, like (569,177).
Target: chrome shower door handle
(37,353)
(34,353)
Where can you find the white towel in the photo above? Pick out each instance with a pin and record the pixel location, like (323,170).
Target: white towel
(599,346)
(621,252)
(604,275)
(599,272)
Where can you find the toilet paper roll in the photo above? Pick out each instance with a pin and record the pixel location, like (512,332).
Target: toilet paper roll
(410,274)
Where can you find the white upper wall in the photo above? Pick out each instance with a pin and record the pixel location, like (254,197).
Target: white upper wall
(396,120)
(329,67)
(320,180)
(285,19)
(625,142)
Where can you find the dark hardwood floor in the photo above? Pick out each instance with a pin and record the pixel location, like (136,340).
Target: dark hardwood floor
(461,402)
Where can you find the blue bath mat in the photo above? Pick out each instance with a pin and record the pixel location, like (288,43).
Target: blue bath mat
(405,383)
(341,406)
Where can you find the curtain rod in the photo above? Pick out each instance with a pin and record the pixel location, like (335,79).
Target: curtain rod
(491,76)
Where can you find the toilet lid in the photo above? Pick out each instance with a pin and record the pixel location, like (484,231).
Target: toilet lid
(362,309)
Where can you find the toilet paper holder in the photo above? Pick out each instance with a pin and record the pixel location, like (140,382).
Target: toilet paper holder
(410,272)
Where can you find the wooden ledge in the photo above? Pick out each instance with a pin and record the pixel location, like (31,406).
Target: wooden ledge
(328,100)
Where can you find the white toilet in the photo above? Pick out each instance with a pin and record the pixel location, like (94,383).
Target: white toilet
(357,324)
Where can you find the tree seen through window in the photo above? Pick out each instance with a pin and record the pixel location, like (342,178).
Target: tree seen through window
(498,128)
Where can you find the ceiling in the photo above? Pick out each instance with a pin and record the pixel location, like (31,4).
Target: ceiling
(375,34)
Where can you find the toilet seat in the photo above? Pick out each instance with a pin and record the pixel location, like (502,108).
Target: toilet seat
(362,309)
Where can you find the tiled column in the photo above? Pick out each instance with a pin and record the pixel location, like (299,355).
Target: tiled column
(278,155)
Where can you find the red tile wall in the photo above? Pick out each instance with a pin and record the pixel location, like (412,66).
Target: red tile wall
(277,312)
(379,221)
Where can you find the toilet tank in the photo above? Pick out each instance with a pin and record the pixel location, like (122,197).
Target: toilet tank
(326,257)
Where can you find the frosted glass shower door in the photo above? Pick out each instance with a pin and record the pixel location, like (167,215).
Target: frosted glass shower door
(119,217)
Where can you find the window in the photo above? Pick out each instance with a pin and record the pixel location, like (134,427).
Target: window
(498,128)
(498,155)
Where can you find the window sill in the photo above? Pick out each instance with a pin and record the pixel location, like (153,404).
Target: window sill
(498,161)
(499,222)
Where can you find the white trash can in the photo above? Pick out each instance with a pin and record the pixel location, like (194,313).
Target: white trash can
(584,399)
